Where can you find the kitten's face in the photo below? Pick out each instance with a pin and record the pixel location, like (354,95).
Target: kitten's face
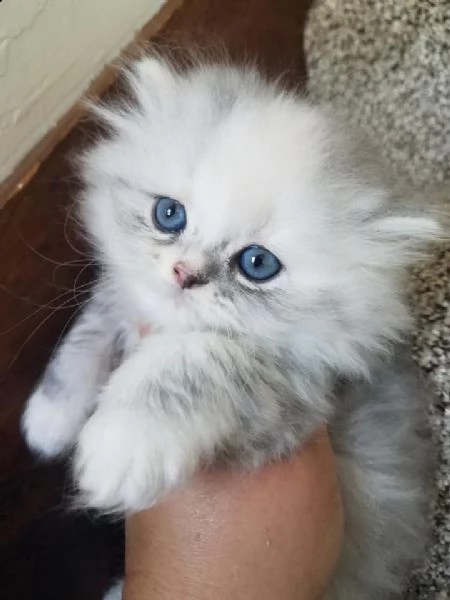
(223,204)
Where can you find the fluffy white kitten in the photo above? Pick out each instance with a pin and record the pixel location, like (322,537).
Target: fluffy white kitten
(268,254)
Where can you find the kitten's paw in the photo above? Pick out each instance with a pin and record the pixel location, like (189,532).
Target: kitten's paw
(49,425)
(126,461)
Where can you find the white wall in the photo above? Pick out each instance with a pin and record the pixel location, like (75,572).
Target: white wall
(49,52)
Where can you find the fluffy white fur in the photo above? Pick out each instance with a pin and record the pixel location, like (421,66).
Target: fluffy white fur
(237,371)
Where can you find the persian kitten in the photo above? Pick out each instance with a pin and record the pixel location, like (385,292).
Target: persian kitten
(268,253)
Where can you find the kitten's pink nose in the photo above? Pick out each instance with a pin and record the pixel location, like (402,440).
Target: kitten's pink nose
(186,277)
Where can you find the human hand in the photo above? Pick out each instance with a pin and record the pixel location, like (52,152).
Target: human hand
(276,533)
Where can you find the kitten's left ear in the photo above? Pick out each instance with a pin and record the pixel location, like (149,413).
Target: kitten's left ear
(409,234)
(418,229)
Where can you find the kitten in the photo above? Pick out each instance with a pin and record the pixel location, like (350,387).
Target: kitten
(268,253)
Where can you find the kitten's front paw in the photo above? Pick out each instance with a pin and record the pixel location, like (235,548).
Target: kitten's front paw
(126,461)
(49,425)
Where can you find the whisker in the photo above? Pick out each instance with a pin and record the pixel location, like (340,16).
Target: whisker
(33,333)
(75,262)
(75,285)
(66,234)
(64,288)
(64,329)
(62,306)
(81,289)
(88,262)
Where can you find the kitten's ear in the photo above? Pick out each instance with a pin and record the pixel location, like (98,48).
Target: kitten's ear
(419,229)
(411,235)
(149,81)
(151,71)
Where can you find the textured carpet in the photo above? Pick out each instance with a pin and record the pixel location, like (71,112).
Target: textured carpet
(385,65)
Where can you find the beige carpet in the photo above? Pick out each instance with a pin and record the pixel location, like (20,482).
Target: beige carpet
(386,65)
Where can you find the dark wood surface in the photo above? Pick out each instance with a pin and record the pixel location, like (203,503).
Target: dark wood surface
(45,551)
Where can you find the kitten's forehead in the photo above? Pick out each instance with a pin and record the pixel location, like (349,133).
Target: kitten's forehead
(259,167)
(242,155)
(218,135)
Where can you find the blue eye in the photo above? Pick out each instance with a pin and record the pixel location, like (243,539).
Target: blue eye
(258,264)
(169,215)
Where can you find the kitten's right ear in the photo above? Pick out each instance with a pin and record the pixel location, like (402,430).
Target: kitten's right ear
(150,71)
(149,81)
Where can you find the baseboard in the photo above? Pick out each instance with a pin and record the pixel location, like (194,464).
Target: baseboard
(29,166)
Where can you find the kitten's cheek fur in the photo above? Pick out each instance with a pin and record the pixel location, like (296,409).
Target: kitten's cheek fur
(126,460)
(50,426)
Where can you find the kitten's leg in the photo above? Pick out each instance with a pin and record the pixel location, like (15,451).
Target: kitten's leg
(65,395)
(182,400)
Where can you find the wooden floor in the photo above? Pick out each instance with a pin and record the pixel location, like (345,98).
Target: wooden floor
(45,552)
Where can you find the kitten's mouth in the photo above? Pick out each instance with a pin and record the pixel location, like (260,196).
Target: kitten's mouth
(183,294)
(182,298)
